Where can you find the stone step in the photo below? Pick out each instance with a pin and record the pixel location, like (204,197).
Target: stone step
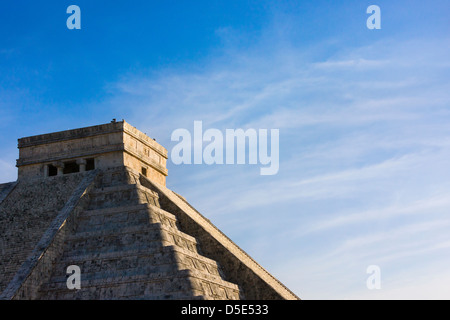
(130,207)
(120,195)
(131,238)
(112,296)
(75,259)
(107,293)
(113,210)
(116,176)
(123,237)
(120,260)
(131,273)
(170,283)
(97,219)
(187,259)
(144,286)
(213,287)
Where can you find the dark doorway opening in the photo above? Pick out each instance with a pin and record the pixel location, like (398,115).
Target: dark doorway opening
(90,164)
(52,170)
(71,167)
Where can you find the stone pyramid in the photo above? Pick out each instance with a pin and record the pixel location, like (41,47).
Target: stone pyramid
(95,198)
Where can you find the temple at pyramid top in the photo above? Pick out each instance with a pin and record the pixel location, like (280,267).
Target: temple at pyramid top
(103,146)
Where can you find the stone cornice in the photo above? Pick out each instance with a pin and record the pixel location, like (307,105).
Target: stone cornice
(103,129)
(80,133)
(71,155)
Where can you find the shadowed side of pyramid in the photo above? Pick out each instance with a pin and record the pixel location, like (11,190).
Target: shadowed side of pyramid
(128,247)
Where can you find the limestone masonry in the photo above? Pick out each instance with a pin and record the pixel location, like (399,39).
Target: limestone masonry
(96,198)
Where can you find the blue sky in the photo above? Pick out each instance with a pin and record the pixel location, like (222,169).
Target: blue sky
(363,117)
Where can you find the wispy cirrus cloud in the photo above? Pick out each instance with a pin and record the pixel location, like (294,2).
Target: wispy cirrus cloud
(363,156)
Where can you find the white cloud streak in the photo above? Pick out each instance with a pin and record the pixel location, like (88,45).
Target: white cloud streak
(365,144)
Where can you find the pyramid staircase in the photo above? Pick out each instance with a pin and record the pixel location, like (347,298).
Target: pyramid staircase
(127,247)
